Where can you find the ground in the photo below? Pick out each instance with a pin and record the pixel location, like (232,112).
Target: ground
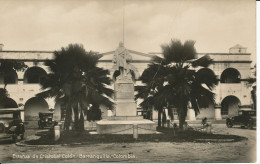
(242,151)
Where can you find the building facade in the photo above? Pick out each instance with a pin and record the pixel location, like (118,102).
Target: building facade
(232,92)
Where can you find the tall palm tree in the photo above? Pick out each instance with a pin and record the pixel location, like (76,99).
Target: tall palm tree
(153,79)
(171,80)
(76,81)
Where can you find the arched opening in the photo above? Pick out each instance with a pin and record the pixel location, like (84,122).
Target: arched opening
(230,106)
(32,108)
(8,103)
(8,77)
(230,75)
(34,75)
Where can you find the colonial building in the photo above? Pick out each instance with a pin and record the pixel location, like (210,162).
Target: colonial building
(231,68)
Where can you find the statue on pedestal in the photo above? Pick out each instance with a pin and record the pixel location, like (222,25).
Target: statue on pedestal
(121,60)
(124,114)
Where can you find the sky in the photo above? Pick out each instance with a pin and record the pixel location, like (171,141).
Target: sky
(215,25)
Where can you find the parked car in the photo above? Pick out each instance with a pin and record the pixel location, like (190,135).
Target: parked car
(245,118)
(46,120)
(11,125)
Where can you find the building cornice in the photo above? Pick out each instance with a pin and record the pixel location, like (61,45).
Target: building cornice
(135,61)
(28,51)
(150,54)
(159,53)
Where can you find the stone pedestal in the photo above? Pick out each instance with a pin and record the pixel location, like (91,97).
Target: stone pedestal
(125,126)
(124,97)
(125,113)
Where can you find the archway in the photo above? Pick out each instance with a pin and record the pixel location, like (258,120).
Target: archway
(230,75)
(8,77)
(32,108)
(230,106)
(8,103)
(34,75)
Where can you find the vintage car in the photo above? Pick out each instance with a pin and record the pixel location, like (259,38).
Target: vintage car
(11,125)
(46,120)
(246,118)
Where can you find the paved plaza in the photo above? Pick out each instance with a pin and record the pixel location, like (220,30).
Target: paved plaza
(243,151)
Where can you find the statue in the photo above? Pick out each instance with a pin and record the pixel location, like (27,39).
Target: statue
(121,59)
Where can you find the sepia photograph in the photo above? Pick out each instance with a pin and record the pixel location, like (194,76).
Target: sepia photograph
(128,81)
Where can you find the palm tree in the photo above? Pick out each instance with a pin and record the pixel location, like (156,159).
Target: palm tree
(76,81)
(151,90)
(171,80)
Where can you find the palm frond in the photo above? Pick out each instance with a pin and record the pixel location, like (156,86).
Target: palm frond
(207,77)
(204,61)
(142,92)
(8,64)
(76,79)
(177,52)
(158,60)
(3,94)
(203,96)
(147,103)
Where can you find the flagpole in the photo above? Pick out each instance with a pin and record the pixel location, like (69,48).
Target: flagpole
(123,21)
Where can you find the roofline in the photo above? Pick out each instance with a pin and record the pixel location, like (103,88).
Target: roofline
(140,53)
(149,54)
(28,51)
(214,61)
(234,47)
(132,51)
(137,61)
(107,53)
(211,53)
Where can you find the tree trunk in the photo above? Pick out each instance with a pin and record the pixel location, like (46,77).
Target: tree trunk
(81,119)
(159,118)
(76,117)
(68,117)
(182,115)
(170,113)
(253,95)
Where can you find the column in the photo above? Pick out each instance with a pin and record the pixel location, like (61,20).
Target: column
(218,113)
(191,114)
(51,102)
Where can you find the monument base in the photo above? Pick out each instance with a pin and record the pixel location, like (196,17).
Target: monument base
(125,108)
(125,126)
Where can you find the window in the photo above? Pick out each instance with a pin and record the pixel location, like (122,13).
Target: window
(34,75)
(230,75)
